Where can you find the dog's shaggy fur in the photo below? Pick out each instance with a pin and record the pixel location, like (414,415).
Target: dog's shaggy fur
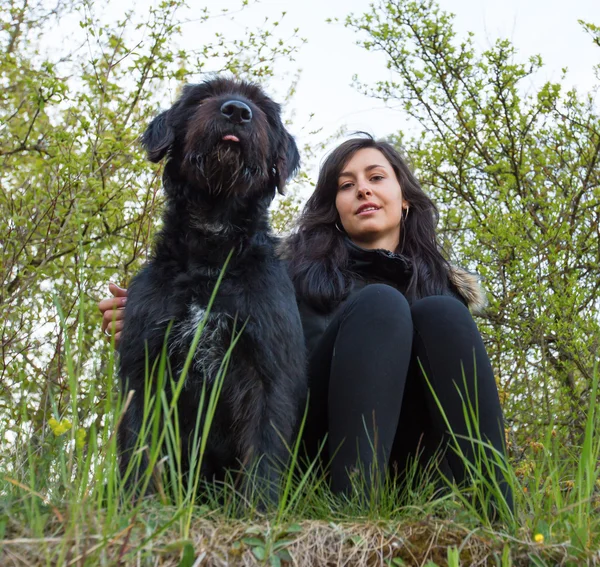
(227,153)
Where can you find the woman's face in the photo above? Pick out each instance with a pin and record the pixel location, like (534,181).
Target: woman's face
(369,201)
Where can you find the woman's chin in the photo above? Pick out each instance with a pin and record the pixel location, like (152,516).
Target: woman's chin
(367,230)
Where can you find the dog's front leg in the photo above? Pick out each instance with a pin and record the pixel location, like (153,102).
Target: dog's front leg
(267,452)
(271,458)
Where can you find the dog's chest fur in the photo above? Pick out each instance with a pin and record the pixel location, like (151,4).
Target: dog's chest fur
(256,302)
(216,333)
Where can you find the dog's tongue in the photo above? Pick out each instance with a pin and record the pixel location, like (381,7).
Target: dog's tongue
(231,137)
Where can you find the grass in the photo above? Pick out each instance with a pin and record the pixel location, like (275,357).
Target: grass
(63,503)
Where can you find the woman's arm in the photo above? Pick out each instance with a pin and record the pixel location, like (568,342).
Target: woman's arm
(113,312)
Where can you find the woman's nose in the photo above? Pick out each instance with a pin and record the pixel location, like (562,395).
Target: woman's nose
(363,189)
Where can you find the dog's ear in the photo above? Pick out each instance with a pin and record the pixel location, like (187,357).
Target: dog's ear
(158,137)
(287,163)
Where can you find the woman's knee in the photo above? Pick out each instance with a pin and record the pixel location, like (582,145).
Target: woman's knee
(446,330)
(440,310)
(381,301)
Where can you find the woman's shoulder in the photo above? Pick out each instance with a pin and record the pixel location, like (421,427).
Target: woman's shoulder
(468,286)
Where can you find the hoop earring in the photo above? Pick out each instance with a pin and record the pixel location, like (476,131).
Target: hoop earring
(406,215)
(337,226)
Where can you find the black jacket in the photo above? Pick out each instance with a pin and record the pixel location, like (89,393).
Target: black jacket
(381,266)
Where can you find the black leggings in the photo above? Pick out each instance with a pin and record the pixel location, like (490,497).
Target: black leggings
(367,385)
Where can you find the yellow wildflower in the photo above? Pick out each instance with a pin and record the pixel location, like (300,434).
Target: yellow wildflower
(59,428)
(539,538)
(80,438)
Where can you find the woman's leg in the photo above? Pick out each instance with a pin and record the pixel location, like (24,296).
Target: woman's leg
(451,351)
(417,445)
(356,379)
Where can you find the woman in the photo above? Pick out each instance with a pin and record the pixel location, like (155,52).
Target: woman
(386,322)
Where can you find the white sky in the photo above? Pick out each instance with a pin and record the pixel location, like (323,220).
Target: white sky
(330,58)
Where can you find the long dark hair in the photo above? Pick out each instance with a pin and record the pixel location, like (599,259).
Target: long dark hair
(317,255)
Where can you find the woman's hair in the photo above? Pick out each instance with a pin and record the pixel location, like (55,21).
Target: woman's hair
(317,255)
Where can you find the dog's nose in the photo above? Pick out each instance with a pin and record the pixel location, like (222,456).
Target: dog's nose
(236,111)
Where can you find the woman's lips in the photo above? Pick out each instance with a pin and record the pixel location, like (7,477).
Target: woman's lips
(367,212)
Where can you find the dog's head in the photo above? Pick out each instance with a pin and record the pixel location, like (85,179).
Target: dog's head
(225,136)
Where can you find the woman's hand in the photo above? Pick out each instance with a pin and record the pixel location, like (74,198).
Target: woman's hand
(113,312)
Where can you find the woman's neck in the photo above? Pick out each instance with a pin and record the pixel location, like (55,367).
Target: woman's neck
(389,243)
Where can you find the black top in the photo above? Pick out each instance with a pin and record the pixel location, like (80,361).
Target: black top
(366,267)
(378,265)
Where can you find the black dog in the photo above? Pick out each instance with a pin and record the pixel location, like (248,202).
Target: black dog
(227,153)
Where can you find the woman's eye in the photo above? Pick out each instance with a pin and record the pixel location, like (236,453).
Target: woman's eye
(376,177)
(345,186)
